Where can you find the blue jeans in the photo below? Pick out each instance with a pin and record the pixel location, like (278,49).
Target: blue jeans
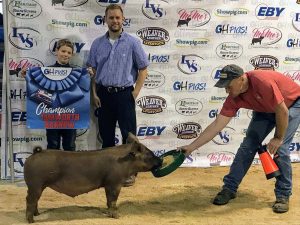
(260,126)
(66,136)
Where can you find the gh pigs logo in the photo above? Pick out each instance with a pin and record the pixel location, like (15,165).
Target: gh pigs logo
(264,61)
(220,158)
(154,79)
(192,18)
(153,36)
(23,38)
(188,106)
(152,104)
(25,9)
(189,64)
(154,9)
(188,130)
(265,36)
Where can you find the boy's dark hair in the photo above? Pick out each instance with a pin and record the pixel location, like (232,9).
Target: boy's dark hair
(65,42)
(112,7)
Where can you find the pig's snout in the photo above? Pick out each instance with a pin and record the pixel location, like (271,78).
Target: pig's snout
(157,163)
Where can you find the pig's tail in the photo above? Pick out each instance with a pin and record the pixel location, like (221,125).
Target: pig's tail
(37,149)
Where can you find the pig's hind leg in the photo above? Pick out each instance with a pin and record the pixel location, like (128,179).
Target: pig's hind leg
(112,194)
(33,195)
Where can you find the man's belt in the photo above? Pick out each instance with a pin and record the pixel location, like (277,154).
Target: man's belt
(111,89)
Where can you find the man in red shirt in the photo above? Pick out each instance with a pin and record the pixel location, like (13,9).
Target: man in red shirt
(275,101)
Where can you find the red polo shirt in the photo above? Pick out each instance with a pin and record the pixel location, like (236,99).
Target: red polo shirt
(266,90)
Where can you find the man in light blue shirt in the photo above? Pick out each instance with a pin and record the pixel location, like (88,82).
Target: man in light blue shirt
(118,62)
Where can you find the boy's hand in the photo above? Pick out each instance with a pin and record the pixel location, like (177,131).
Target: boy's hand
(91,71)
(23,72)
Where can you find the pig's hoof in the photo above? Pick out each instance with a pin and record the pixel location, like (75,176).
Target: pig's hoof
(30,219)
(36,213)
(113,214)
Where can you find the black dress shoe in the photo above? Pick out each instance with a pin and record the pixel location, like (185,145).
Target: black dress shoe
(223,197)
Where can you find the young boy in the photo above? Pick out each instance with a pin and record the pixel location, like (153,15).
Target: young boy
(64,51)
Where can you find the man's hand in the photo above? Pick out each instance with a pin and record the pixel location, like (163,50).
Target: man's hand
(187,150)
(97,101)
(273,145)
(134,94)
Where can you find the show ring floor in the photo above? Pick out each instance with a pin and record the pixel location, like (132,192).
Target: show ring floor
(183,197)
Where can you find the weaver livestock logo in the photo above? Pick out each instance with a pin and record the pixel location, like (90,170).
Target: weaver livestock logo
(265,12)
(25,9)
(220,158)
(154,79)
(192,18)
(190,64)
(264,61)
(231,12)
(229,50)
(16,64)
(24,38)
(106,3)
(154,9)
(265,36)
(188,130)
(152,104)
(188,106)
(153,36)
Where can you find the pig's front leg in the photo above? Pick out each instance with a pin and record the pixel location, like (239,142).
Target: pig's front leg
(112,194)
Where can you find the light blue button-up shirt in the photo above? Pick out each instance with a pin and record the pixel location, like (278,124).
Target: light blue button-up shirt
(117,65)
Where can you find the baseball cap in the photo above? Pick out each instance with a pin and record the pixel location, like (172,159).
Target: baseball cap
(227,74)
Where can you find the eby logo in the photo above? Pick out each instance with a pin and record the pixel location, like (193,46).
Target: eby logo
(149,132)
(53,45)
(296,21)
(18,117)
(294,146)
(264,12)
(215,74)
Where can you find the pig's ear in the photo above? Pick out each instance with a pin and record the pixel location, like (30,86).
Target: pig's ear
(130,156)
(131,138)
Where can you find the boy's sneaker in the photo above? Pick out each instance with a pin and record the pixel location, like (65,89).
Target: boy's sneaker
(223,197)
(281,205)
